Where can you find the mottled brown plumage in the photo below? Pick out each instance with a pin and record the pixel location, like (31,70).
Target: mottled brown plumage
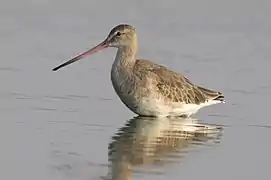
(146,88)
(172,85)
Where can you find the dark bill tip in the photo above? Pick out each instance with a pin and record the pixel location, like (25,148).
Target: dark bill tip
(83,55)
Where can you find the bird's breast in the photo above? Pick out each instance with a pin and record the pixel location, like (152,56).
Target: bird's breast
(122,82)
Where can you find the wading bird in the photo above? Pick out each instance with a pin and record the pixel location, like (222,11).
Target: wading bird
(146,88)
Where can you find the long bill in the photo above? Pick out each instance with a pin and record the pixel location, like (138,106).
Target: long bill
(97,48)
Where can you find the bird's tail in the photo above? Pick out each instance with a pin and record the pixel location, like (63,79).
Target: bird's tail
(212,95)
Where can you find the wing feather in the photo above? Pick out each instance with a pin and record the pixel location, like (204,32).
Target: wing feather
(175,87)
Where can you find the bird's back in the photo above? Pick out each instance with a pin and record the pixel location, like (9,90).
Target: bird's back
(173,86)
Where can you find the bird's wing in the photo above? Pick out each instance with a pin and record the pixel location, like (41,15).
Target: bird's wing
(174,86)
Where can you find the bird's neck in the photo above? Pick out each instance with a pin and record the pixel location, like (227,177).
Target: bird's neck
(125,58)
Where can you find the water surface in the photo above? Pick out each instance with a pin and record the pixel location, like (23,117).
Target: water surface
(70,124)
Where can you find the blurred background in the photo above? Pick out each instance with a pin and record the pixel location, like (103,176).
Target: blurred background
(66,124)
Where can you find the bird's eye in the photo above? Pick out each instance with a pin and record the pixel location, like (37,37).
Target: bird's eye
(118,34)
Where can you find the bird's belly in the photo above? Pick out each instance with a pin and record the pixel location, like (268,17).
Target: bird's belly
(152,107)
(161,108)
(148,104)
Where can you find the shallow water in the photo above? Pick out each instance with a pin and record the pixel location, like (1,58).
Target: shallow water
(70,124)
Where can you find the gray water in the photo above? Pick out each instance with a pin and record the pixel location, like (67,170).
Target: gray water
(70,124)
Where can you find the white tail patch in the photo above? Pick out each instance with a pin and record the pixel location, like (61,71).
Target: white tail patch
(189,109)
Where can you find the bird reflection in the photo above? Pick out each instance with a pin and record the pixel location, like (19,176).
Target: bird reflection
(146,141)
